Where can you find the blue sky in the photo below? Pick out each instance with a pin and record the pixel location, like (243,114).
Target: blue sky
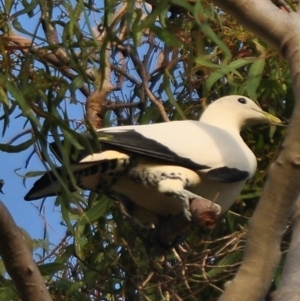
(27,214)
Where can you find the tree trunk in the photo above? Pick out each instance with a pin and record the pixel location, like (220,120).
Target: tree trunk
(262,252)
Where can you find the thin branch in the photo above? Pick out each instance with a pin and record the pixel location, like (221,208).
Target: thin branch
(96,104)
(61,245)
(19,135)
(127,75)
(51,33)
(25,45)
(157,102)
(18,261)
(145,80)
(118,106)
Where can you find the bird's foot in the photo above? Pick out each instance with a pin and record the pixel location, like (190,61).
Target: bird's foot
(171,230)
(205,213)
(175,187)
(200,204)
(186,196)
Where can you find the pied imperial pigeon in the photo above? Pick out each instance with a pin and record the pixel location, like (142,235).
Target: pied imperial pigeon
(160,168)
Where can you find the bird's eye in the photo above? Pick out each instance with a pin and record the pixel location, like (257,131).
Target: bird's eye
(242,100)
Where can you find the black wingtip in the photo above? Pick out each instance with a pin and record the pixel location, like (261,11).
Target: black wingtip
(36,192)
(28,198)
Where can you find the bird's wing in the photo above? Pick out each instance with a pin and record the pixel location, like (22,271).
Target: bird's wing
(94,172)
(135,142)
(210,150)
(190,144)
(164,141)
(174,142)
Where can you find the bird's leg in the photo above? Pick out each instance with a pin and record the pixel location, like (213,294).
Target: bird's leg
(175,188)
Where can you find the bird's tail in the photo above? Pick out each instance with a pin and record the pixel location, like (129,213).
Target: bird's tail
(95,172)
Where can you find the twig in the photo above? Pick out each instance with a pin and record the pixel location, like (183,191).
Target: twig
(19,135)
(145,79)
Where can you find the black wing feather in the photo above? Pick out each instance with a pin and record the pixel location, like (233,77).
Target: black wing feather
(134,142)
(137,143)
(227,175)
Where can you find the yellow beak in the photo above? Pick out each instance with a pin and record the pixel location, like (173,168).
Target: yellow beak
(273,119)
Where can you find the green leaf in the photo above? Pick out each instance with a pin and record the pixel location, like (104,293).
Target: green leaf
(72,289)
(28,9)
(65,215)
(8,5)
(66,253)
(260,143)
(8,293)
(255,194)
(48,269)
(203,60)
(254,77)
(151,115)
(166,36)
(16,148)
(208,31)
(214,77)
(42,244)
(76,83)
(242,89)
(3,97)
(13,89)
(100,208)
(172,100)
(160,10)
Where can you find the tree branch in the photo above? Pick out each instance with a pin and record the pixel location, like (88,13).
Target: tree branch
(261,17)
(262,251)
(289,287)
(145,79)
(18,261)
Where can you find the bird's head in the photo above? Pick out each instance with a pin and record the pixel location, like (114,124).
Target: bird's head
(236,111)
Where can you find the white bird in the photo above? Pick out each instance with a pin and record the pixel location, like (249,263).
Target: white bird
(161,167)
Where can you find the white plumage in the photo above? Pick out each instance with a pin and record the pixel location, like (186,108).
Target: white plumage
(161,167)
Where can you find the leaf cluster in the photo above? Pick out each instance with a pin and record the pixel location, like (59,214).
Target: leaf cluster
(87,64)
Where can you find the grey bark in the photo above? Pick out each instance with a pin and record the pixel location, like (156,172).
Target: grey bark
(18,261)
(262,252)
(289,287)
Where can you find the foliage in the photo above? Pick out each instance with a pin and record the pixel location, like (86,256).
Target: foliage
(145,62)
